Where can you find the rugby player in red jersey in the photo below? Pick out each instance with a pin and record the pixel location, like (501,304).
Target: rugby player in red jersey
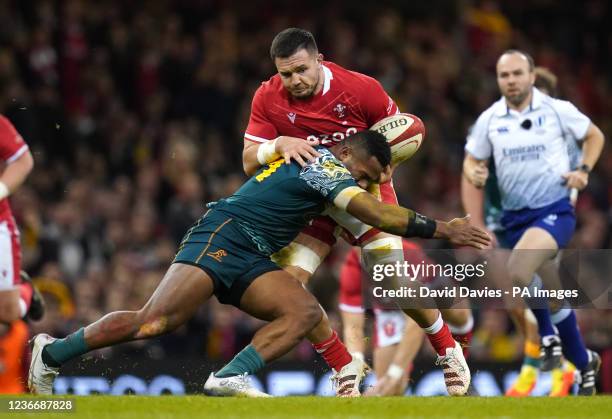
(18,297)
(310,102)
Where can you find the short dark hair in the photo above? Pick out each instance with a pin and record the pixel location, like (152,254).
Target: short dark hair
(372,143)
(290,41)
(546,80)
(529,58)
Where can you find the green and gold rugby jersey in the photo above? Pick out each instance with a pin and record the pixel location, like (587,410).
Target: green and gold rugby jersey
(281,199)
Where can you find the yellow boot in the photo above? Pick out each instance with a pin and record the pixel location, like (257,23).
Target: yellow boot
(524,383)
(562,380)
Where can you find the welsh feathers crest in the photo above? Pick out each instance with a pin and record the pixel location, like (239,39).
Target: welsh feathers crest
(340,110)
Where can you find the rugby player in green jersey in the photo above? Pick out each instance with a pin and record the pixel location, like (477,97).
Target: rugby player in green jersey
(226,253)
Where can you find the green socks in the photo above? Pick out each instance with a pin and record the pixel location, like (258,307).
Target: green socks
(62,350)
(247,361)
(533,362)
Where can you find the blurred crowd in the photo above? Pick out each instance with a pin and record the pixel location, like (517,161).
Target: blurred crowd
(135,113)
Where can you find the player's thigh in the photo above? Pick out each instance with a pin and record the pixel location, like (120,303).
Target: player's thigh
(9,271)
(276,294)
(180,292)
(536,238)
(535,247)
(9,305)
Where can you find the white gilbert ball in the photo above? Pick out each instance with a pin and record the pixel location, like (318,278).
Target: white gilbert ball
(404,133)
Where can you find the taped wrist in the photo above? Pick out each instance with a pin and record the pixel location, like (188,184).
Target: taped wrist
(266,152)
(420,226)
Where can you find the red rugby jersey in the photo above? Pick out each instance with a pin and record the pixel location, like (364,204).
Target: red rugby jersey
(349,102)
(12,147)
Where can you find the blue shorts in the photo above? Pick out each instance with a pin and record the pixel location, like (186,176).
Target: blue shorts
(216,245)
(557,218)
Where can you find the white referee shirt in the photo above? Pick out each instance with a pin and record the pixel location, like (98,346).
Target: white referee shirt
(529,162)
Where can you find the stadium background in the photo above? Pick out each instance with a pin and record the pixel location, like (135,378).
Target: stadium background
(135,112)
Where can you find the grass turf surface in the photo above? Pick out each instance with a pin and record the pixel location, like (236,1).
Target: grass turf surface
(116,407)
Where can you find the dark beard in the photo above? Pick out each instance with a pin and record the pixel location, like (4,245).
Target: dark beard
(517,100)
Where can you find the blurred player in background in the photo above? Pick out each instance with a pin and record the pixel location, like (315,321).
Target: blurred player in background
(17,294)
(397,338)
(532,138)
(310,102)
(18,297)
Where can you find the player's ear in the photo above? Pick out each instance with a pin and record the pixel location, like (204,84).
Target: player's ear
(345,152)
(319,58)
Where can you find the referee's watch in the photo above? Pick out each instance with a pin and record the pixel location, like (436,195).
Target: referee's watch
(585,168)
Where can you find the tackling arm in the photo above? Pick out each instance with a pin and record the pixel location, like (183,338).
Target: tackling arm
(404,222)
(255,155)
(249,157)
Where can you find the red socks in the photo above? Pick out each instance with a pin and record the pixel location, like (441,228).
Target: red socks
(440,336)
(333,352)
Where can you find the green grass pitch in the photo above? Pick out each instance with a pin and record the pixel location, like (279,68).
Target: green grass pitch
(135,407)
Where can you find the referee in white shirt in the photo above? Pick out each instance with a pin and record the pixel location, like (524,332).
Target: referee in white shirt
(535,143)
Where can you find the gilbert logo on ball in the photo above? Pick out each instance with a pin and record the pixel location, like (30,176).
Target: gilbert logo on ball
(404,133)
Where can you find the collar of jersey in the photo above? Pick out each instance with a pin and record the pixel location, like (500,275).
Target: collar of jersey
(329,76)
(536,101)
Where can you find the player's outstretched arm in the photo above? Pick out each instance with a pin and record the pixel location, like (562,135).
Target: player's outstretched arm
(404,222)
(255,155)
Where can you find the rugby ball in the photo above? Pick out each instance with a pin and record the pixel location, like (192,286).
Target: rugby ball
(404,133)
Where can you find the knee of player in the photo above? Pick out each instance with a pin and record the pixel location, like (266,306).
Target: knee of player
(299,273)
(518,275)
(305,314)
(457,317)
(9,310)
